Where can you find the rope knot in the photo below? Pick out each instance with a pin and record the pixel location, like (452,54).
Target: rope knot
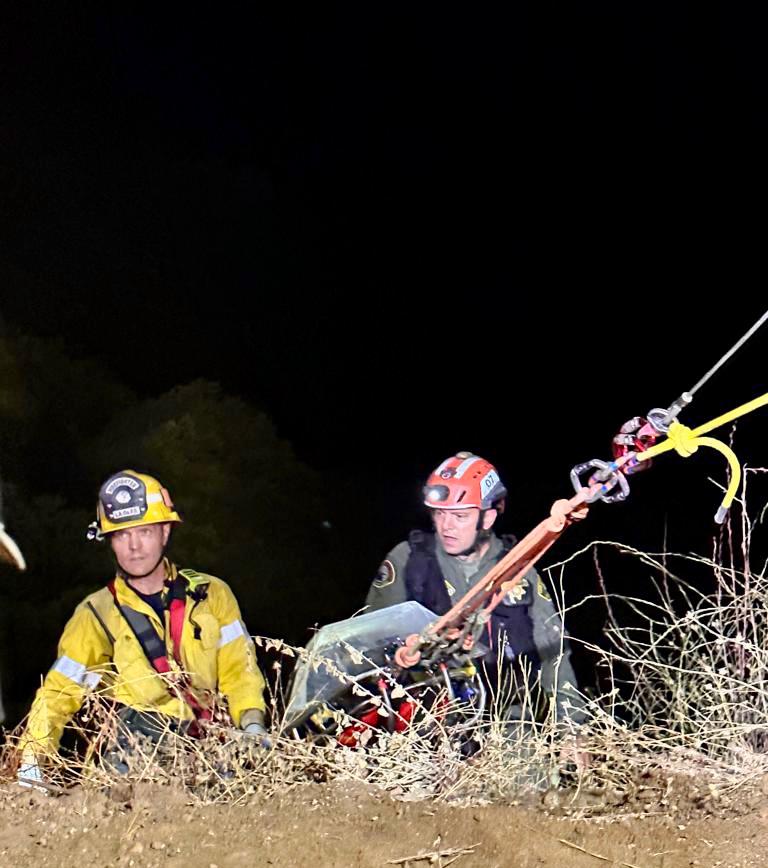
(683,439)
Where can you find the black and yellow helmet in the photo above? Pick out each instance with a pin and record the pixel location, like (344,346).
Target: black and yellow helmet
(130,499)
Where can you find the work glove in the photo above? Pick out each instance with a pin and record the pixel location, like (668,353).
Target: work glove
(252,725)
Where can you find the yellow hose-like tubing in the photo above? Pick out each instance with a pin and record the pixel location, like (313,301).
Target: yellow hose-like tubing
(733,485)
(733,414)
(660,448)
(686,441)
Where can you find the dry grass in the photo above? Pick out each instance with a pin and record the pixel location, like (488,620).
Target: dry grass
(686,707)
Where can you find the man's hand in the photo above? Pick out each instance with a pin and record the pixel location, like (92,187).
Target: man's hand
(252,724)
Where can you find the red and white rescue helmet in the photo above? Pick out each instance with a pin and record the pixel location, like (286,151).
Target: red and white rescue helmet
(465,481)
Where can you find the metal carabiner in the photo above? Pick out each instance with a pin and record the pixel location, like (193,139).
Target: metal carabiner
(609,477)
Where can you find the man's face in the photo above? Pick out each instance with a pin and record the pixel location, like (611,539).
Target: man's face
(139,549)
(456,528)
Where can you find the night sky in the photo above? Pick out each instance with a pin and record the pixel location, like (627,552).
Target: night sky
(403,231)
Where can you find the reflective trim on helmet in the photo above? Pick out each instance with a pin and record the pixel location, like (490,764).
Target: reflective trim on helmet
(464,466)
(154,497)
(70,668)
(230,632)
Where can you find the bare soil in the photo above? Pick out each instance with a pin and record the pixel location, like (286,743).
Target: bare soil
(333,825)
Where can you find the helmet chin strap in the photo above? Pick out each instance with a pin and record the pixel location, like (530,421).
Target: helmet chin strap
(481,537)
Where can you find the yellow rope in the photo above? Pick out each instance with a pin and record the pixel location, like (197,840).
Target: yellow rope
(685,441)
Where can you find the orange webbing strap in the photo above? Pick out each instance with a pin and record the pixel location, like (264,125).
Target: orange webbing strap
(507,573)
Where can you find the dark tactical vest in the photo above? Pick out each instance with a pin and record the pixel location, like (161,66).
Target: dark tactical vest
(425,583)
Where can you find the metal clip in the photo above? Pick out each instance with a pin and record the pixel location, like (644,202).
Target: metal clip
(605,473)
(94,532)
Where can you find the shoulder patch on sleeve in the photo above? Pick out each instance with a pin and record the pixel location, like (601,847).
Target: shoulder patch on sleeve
(542,591)
(385,576)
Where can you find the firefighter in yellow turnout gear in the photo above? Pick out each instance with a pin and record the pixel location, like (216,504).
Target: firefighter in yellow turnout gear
(158,640)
